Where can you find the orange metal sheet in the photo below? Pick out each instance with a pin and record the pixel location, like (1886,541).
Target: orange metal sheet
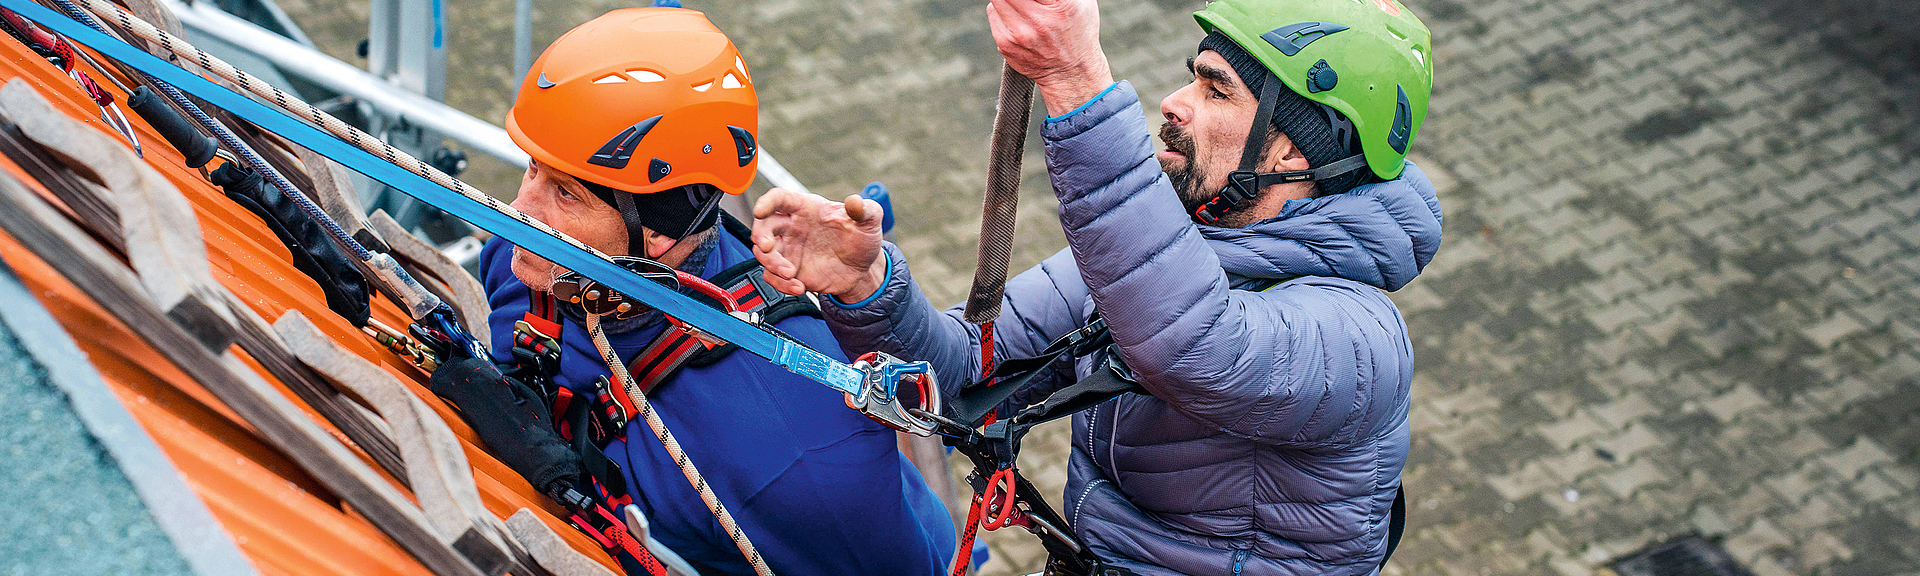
(282,518)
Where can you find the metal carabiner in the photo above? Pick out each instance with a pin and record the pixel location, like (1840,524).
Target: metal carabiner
(879,392)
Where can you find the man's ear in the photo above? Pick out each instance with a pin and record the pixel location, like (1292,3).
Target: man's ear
(657,244)
(1283,156)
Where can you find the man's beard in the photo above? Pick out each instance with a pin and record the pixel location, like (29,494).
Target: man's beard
(1186,177)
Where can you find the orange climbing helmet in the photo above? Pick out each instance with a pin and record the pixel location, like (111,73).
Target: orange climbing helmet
(641,100)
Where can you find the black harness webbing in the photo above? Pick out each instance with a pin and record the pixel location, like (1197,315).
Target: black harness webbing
(998,443)
(1010,376)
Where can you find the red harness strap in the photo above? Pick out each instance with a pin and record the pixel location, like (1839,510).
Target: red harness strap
(675,347)
(597,519)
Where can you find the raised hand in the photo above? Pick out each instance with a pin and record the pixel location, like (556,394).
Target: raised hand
(810,244)
(1057,44)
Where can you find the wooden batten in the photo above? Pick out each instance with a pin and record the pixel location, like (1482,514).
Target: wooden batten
(333,191)
(548,549)
(156,275)
(162,236)
(436,466)
(367,431)
(47,233)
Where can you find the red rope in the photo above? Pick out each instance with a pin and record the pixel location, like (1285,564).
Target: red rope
(964,557)
(627,542)
(986,351)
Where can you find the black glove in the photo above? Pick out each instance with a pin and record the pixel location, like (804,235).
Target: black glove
(313,251)
(513,421)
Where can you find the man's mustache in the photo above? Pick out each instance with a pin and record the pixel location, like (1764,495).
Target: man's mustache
(1177,139)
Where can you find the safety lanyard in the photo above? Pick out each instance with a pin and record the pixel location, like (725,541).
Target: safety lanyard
(992,441)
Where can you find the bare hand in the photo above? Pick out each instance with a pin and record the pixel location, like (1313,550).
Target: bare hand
(1057,44)
(808,243)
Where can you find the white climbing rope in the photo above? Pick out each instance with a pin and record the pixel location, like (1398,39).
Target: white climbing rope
(299,109)
(304,111)
(674,450)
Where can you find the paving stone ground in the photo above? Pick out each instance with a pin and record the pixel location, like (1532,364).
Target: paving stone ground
(1678,287)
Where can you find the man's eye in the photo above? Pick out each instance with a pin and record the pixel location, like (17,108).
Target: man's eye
(1218,94)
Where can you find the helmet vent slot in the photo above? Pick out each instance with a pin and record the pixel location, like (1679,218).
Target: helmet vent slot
(742,67)
(646,76)
(1290,39)
(1402,129)
(730,81)
(702,87)
(610,79)
(1418,57)
(618,150)
(743,144)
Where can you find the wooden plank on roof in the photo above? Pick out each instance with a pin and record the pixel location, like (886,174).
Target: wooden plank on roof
(83,261)
(162,236)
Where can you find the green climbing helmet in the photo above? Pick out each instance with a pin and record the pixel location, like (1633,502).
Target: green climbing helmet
(1372,60)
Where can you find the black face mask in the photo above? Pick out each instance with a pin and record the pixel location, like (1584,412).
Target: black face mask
(675,213)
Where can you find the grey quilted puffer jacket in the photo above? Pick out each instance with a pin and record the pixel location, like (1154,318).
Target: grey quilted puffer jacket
(1276,428)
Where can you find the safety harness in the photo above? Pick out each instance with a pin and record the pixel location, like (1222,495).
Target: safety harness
(743,287)
(588,422)
(984,425)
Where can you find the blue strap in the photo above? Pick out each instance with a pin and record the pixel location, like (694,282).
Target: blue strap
(793,356)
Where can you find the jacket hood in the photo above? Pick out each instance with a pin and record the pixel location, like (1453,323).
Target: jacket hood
(1381,234)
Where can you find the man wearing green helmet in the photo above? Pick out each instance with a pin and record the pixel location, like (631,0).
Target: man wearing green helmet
(1241,278)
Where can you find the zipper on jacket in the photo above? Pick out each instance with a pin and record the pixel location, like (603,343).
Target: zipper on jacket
(1239,559)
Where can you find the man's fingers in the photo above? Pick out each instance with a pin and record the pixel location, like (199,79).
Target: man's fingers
(856,209)
(769,203)
(785,286)
(779,273)
(872,213)
(766,233)
(775,262)
(789,287)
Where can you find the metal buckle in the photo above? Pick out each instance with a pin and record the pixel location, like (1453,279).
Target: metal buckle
(1075,342)
(1112,361)
(879,393)
(598,299)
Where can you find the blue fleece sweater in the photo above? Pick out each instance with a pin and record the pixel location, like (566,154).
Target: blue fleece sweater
(819,488)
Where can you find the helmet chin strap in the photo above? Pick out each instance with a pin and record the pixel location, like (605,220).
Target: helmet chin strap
(1244,184)
(636,237)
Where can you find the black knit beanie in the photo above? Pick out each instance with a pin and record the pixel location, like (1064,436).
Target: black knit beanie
(1309,124)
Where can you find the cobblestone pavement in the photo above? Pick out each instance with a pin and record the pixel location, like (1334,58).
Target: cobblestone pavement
(1678,290)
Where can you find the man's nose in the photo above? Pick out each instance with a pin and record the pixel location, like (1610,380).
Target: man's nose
(525,203)
(1174,107)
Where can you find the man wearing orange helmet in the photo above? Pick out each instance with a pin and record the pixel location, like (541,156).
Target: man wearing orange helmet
(637,122)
